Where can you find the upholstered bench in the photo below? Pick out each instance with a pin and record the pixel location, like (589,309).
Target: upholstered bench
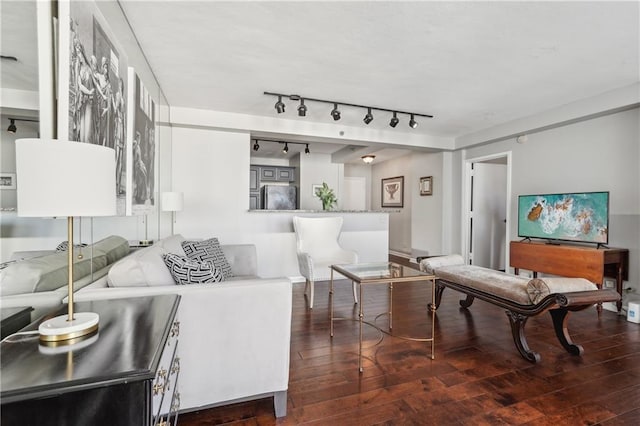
(522,298)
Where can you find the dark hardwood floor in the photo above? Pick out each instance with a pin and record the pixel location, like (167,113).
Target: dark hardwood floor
(477,377)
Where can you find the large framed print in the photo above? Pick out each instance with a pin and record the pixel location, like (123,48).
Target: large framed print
(141,147)
(92,74)
(392,192)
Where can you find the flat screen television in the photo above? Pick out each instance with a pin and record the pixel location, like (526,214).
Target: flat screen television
(580,217)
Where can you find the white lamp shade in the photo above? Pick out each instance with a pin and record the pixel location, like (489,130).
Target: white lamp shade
(62,178)
(172,201)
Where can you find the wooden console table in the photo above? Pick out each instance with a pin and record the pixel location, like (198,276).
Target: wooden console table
(572,261)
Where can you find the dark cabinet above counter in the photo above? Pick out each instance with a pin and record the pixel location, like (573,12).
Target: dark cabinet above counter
(276,173)
(259,175)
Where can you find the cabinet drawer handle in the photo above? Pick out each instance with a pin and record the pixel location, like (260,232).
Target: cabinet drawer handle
(175,368)
(175,404)
(175,329)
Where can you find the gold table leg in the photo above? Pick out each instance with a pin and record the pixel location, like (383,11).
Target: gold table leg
(331,304)
(360,368)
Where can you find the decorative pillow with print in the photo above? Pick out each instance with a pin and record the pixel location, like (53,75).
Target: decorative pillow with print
(208,251)
(190,271)
(64,246)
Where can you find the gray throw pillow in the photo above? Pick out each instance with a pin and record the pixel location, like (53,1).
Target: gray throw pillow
(189,271)
(208,251)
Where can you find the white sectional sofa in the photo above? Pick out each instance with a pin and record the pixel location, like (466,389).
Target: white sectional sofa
(235,335)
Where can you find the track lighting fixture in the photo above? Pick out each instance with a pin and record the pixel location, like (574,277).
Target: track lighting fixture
(336,114)
(12,123)
(279,105)
(368,158)
(285,148)
(12,126)
(394,120)
(413,123)
(302,109)
(369,117)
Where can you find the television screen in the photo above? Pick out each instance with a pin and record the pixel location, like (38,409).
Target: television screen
(580,217)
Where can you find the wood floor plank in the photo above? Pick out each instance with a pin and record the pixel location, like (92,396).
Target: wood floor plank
(477,377)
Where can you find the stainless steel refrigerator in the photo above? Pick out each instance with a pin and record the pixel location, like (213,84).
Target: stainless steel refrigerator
(279,197)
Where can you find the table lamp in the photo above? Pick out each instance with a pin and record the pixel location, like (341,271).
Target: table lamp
(62,178)
(172,202)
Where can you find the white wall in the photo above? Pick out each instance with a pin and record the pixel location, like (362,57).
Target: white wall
(315,169)
(601,154)
(363,171)
(426,210)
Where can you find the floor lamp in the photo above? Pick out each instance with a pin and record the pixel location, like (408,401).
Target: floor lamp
(61,178)
(172,202)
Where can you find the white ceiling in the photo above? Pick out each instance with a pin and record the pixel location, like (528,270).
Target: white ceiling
(472,65)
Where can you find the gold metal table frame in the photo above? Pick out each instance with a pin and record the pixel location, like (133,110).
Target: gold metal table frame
(378,273)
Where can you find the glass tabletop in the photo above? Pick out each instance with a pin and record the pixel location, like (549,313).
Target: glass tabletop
(380,272)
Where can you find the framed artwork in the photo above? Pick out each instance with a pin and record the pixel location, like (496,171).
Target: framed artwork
(7,181)
(141,147)
(426,185)
(92,74)
(314,188)
(393,192)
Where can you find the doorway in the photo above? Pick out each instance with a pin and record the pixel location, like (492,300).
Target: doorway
(487,198)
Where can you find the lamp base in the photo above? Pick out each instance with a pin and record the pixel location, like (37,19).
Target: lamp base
(60,329)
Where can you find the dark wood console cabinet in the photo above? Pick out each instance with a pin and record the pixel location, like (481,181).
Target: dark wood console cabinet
(572,261)
(126,374)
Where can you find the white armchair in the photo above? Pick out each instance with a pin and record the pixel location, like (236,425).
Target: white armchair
(317,249)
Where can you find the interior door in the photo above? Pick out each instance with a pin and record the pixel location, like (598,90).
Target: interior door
(488,228)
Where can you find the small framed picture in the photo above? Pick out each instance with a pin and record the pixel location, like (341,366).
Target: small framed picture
(314,188)
(426,185)
(393,192)
(7,181)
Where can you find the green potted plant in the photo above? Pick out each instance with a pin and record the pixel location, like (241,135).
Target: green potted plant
(327,196)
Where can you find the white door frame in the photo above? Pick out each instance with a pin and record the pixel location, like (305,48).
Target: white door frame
(466,203)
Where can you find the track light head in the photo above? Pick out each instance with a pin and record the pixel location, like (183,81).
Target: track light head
(394,120)
(306,150)
(256,146)
(369,117)
(286,148)
(12,126)
(302,109)
(279,106)
(335,113)
(413,123)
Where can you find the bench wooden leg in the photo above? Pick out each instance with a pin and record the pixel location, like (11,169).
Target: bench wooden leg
(518,321)
(467,302)
(438,295)
(560,319)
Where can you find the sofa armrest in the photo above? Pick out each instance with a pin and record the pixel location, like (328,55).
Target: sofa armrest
(243,259)
(234,337)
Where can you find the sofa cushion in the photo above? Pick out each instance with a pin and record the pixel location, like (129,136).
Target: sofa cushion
(114,247)
(208,251)
(143,267)
(190,271)
(46,273)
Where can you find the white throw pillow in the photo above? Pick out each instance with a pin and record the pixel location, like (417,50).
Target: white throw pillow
(142,268)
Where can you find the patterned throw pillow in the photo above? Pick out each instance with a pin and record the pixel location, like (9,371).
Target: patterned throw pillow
(64,246)
(208,251)
(189,271)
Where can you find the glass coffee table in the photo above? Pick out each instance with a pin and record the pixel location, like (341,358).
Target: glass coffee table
(380,273)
